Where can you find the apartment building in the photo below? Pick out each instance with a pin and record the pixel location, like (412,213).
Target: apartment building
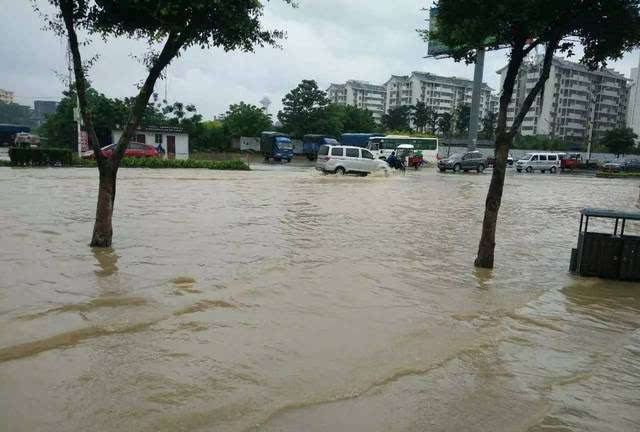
(576,104)
(633,110)
(361,94)
(7,96)
(443,94)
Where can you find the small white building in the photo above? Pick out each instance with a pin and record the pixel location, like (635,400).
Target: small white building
(174,141)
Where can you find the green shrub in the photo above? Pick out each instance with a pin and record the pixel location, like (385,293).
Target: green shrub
(39,156)
(183,163)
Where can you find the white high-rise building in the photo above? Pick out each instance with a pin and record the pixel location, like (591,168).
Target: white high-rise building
(576,104)
(633,110)
(443,94)
(361,94)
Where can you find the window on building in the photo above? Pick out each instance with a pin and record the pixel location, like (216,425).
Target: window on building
(158,139)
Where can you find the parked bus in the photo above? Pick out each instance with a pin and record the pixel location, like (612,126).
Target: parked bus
(381,147)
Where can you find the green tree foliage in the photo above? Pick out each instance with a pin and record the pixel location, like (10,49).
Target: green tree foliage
(605,29)
(304,109)
(445,124)
(462,115)
(212,135)
(169,27)
(421,116)
(398,118)
(246,120)
(356,119)
(432,119)
(13,113)
(489,125)
(619,141)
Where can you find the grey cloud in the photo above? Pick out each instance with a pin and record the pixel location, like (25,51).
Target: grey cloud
(328,40)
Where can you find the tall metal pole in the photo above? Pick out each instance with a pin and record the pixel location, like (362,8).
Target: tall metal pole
(475,100)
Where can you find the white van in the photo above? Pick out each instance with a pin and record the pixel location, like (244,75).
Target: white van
(539,161)
(347,160)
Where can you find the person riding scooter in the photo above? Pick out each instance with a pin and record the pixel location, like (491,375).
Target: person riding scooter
(394,162)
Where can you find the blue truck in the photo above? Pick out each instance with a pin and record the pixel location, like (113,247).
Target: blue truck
(357,139)
(276,146)
(312,142)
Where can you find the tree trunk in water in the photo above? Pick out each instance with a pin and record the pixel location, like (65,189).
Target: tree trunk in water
(102,229)
(492,204)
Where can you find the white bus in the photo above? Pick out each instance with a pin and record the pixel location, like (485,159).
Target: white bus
(381,147)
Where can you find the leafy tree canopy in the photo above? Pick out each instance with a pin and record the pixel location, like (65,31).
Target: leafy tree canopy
(302,108)
(604,28)
(398,118)
(619,141)
(246,120)
(463,116)
(445,124)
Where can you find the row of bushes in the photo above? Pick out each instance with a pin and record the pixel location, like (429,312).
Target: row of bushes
(39,156)
(607,174)
(184,163)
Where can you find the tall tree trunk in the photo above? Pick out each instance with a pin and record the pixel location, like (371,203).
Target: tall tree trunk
(503,141)
(102,228)
(504,138)
(492,204)
(108,168)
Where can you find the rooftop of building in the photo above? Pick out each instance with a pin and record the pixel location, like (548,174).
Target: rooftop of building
(564,63)
(456,81)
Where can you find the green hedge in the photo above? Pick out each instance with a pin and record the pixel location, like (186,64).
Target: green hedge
(607,174)
(39,156)
(183,163)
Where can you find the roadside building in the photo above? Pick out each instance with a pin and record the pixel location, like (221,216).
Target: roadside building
(41,109)
(576,104)
(174,141)
(633,110)
(361,94)
(442,94)
(7,96)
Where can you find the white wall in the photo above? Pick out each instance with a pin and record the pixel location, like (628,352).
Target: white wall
(249,143)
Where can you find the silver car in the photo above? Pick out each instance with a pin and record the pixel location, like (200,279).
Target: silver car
(348,160)
(473,160)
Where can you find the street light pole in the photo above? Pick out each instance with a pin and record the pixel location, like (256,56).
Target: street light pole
(475,100)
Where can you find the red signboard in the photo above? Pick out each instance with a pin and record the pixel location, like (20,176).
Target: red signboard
(84,141)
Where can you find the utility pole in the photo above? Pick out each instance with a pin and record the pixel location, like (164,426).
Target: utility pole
(475,100)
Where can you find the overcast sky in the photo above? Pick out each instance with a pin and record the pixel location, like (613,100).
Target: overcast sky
(328,40)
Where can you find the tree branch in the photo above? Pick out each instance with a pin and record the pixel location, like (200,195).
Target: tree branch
(66,9)
(552,45)
(170,49)
(517,55)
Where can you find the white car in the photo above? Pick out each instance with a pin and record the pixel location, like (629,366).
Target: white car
(348,160)
(539,161)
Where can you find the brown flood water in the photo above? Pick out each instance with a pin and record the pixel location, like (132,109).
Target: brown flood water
(282,300)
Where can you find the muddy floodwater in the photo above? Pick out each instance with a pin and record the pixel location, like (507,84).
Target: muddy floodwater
(283,300)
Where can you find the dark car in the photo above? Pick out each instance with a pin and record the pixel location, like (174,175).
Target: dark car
(457,162)
(631,165)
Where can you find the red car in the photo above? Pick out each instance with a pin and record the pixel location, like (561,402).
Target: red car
(134,149)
